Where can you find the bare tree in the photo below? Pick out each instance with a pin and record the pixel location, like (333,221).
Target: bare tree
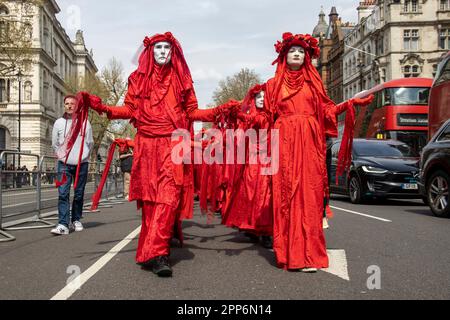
(110,86)
(16,34)
(236,86)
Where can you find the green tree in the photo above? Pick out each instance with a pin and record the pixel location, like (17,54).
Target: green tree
(110,86)
(236,86)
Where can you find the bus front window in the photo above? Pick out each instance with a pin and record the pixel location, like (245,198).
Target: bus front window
(406,96)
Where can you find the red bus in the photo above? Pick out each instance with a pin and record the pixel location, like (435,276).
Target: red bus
(440,97)
(399,111)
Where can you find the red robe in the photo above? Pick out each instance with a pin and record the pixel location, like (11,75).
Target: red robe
(303,119)
(250,202)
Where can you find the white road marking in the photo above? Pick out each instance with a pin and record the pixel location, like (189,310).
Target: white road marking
(76,283)
(360,214)
(338,264)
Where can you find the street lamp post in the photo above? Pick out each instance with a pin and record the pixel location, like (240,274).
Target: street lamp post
(19,78)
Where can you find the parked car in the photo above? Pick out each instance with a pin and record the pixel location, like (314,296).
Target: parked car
(439,102)
(380,168)
(435,172)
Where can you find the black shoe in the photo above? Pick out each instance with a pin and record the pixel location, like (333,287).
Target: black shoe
(161,266)
(252,237)
(266,242)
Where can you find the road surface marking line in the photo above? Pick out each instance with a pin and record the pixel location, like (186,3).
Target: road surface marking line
(338,265)
(361,214)
(78,282)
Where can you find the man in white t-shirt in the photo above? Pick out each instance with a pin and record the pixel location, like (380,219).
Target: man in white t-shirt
(61,129)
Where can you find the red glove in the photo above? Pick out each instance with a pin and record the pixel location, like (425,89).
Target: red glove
(227,108)
(364,101)
(245,117)
(353,102)
(95,103)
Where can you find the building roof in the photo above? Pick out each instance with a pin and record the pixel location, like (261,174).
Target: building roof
(321,27)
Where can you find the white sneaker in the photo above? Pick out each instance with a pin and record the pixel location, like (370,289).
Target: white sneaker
(78,226)
(60,230)
(309,270)
(325,223)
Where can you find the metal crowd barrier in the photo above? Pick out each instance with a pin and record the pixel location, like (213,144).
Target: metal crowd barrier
(23,180)
(17,185)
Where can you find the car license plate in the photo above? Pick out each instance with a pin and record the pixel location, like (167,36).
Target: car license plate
(410,186)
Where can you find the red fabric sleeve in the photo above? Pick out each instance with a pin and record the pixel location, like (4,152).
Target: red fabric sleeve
(194,113)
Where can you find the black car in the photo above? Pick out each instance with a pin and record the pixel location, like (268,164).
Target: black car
(380,168)
(435,171)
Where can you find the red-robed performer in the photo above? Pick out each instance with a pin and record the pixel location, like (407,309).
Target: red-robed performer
(305,116)
(250,203)
(160,100)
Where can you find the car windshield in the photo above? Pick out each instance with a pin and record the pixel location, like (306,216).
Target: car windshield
(383,149)
(406,96)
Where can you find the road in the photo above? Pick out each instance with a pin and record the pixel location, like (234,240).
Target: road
(18,201)
(383,250)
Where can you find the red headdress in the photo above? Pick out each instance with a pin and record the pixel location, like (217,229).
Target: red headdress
(308,71)
(249,101)
(176,72)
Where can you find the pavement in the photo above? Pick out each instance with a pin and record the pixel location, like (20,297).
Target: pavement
(382,250)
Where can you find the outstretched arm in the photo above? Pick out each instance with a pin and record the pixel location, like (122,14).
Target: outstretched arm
(120,112)
(208,115)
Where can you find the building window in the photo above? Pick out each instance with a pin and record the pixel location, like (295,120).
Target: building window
(4,90)
(383,75)
(435,67)
(444,38)
(411,71)
(411,40)
(411,6)
(28,89)
(2,139)
(444,5)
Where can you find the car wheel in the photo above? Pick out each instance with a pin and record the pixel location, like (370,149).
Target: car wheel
(437,193)
(354,190)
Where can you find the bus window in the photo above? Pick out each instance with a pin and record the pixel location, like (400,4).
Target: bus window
(406,96)
(386,97)
(444,74)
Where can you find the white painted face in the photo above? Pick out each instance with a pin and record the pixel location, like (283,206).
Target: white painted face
(162,53)
(259,100)
(295,57)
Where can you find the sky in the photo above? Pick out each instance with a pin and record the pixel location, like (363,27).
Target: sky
(218,38)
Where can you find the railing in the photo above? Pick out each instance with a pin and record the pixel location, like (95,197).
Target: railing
(25,193)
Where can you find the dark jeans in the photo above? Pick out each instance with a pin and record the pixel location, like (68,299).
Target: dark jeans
(64,193)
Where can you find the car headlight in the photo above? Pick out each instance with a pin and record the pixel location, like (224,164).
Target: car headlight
(370,169)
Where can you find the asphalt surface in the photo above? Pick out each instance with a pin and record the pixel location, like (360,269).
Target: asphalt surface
(411,253)
(21,203)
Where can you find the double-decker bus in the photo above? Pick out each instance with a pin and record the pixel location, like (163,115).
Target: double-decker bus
(399,111)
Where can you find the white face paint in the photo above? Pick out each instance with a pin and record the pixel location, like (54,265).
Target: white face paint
(162,53)
(259,100)
(295,57)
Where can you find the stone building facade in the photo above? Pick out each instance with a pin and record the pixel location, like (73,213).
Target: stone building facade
(395,39)
(56,58)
